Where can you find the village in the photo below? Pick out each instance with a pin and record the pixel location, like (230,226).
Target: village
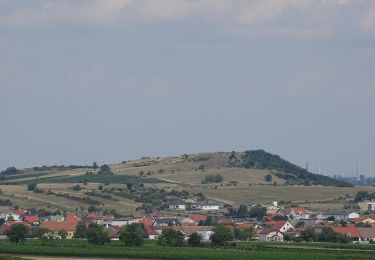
(264,222)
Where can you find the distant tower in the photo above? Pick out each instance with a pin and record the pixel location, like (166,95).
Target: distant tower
(307,166)
(320,169)
(357,168)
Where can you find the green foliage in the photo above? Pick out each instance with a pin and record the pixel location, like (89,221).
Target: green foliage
(81,231)
(309,235)
(10,171)
(171,238)
(268,178)
(195,240)
(220,236)
(213,178)
(328,235)
(17,233)
(96,234)
(363,195)
(243,234)
(242,211)
(31,186)
(133,234)
(260,159)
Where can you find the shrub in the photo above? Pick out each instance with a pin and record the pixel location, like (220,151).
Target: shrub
(133,234)
(172,238)
(195,240)
(221,235)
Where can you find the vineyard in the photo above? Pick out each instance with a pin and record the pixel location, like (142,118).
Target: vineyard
(248,250)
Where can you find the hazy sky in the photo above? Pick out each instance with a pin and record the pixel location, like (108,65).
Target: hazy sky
(111,80)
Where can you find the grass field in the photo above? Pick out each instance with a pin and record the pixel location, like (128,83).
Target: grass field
(248,250)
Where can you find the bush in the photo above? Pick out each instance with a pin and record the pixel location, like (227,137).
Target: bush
(171,238)
(220,236)
(213,178)
(268,178)
(195,240)
(96,234)
(133,234)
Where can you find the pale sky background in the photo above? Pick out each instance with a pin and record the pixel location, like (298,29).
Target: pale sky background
(111,80)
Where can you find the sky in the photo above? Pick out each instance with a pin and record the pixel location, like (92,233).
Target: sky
(112,80)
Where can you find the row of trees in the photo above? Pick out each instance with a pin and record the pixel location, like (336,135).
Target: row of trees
(327,235)
(131,235)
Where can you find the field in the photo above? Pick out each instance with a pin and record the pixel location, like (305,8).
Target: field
(242,250)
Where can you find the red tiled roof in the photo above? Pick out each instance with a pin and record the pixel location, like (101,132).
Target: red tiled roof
(150,231)
(278,224)
(20,211)
(57,226)
(8,224)
(199,218)
(147,222)
(31,219)
(244,225)
(299,210)
(349,230)
(71,218)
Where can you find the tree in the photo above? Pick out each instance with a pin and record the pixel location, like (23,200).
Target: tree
(100,187)
(95,165)
(328,235)
(242,211)
(221,235)
(195,240)
(172,238)
(31,186)
(309,235)
(96,234)
(17,233)
(129,185)
(243,234)
(43,234)
(268,178)
(80,230)
(133,234)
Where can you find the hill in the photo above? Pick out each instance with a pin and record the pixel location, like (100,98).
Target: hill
(147,183)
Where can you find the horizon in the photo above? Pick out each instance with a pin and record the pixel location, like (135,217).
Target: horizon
(106,81)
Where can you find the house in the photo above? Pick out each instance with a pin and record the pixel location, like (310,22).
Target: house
(244,225)
(10,223)
(10,216)
(281,225)
(204,231)
(166,222)
(69,225)
(366,234)
(353,215)
(367,205)
(114,232)
(208,205)
(338,215)
(151,233)
(363,219)
(177,204)
(187,221)
(199,218)
(349,230)
(32,220)
(54,227)
(270,235)
(272,209)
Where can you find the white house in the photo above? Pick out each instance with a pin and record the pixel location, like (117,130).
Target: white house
(177,204)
